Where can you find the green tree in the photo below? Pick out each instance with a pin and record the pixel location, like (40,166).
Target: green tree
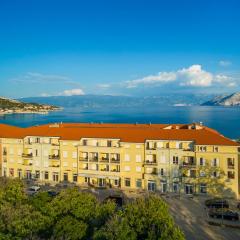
(145,218)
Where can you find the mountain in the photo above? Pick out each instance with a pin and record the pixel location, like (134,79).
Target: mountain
(224,100)
(102,101)
(8,105)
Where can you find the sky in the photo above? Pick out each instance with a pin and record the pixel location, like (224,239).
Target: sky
(120,47)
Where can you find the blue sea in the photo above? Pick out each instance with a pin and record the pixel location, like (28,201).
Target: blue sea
(226,120)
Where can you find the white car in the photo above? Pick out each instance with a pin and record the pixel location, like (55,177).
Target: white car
(33,190)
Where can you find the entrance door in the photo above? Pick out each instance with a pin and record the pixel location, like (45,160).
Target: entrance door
(152,186)
(189,189)
(163,187)
(101,182)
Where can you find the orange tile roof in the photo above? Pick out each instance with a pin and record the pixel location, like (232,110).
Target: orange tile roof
(125,132)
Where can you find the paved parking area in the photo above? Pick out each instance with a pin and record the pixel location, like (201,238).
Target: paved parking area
(191,216)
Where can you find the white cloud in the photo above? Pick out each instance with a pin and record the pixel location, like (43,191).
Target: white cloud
(161,77)
(224,63)
(195,76)
(72,92)
(104,86)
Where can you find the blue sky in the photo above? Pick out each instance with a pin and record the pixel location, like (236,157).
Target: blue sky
(127,47)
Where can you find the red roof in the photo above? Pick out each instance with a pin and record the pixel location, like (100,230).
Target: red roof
(125,132)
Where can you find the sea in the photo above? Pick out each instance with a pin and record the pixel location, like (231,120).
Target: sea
(226,120)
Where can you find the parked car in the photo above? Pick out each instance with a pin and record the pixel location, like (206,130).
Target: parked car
(217,203)
(52,193)
(225,214)
(33,190)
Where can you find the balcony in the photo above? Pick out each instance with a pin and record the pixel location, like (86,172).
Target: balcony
(27,155)
(148,162)
(93,159)
(104,159)
(115,160)
(54,157)
(104,169)
(188,164)
(4,153)
(230,166)
(83,159)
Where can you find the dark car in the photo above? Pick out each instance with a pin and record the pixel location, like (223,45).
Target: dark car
(224,214)
(217,203)
(52,193)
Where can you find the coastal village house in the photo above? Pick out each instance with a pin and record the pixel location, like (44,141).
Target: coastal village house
(187,158)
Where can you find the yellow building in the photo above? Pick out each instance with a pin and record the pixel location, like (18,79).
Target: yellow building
(190,158)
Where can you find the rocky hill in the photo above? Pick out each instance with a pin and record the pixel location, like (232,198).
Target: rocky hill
(14,106)
(224,100)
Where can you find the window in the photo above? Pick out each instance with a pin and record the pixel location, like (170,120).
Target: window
(116,182)
(151,185)
(109,143)
(231,174)
(74,165)
(75,177)
(127,168)
(163,159)
(11,172)
(138,169)
(203,188)
(55,177)
(230,162)
(19,152)
(215,162)
(127,182)
(84,142)
(203,149)
(215,149)
(162,172)
(215,174)
(46,175)
(202,162)
(127,158)
(175,159)
(37,140)
(37,174)
(74,155)
(65,177)
(202,174)
(4,172)
(19,171)
(65,164)
(11,151)
(138,158)
(65,154)
(139,183)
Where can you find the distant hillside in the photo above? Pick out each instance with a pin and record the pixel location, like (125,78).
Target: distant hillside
(102,101)
(224,100)
(14,106)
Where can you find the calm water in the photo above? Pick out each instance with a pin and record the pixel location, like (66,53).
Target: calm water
(225,120)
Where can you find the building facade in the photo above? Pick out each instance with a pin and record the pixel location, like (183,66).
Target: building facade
(187,158)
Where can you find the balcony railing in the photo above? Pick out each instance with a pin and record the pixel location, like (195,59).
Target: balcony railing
(104,159)
(188,164)
(148,162)
(27,155)
(115,160)
(230,166)
(84,159)
(55,157)
(104,169)
(94,159)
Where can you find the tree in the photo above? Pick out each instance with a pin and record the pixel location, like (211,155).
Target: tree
(145,218)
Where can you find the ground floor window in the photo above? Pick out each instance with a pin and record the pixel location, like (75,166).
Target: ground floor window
(175,187)
(55,177)
(127,182)
(101,182)
(4,172)
(19,173)
(189,188)
(151,185)
(46,175)
(116,182)
(87,180)
(37,174)
(28,174)
(203,188)
(11,172)
(75,177)
(139,183)
(163,187)
(65,177)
